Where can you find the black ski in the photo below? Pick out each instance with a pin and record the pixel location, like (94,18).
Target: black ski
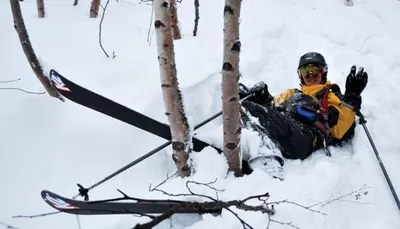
(99,103)
(107,207)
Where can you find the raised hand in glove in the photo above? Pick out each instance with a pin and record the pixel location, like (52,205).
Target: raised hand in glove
(355,84)
(260,93)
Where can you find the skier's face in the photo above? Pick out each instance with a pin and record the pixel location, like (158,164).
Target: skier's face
(311,74)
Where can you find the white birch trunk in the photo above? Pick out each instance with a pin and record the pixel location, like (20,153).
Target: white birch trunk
(169,83)
(230,88)
(176,32)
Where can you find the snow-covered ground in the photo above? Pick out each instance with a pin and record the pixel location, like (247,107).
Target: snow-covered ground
(46,144)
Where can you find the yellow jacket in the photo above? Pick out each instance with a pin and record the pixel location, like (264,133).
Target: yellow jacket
(346,115)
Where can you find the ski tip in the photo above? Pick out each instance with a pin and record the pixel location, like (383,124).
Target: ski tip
(58,81)
(56,201)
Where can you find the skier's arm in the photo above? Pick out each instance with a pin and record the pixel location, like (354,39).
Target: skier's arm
(355,84)
(341,119)
(284,96)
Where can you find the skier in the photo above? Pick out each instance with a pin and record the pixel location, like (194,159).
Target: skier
(302,121)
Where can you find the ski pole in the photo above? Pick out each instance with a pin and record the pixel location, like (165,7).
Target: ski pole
(389,182)
(84,191)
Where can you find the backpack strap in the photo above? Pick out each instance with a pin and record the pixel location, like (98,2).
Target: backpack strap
(323,126)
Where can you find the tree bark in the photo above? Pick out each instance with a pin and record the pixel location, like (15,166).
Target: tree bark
(197,16)
(349,3)
(40,8)
(19,26)
(176,32)
(94,8)
(169,83)
(230,87)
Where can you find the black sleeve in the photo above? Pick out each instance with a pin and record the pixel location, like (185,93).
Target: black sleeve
(333,116)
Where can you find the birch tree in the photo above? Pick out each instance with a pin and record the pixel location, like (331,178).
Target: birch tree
(176,33)
(19,26)
(94,8)
(40,8)
(169,83)
(230,79)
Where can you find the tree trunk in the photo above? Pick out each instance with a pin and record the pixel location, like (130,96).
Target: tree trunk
(19,26)
(230,79)
(94,8)
(169,83)
(349,3)
(176,33)
(197,16)
(40,8)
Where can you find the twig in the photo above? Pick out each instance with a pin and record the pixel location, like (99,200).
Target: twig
(245,225)
(298,205)
(8,225)
(366,39)
(78,222)
(35,216)
(338,198)
(150,25)
(284,224)
(341,197)
(10,81)
(19,89)
(162,182)
(100,29)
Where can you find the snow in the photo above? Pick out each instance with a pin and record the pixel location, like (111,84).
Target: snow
(47,144)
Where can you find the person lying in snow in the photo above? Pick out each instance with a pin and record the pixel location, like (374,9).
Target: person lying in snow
(302,121)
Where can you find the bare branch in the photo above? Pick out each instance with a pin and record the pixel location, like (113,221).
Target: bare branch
(100,30)
(8,225)
(19,89)
(10,81)
(162,182)
(36,216)
(284,224)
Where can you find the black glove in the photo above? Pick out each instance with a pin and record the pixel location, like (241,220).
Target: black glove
(306,114)
(353,99)
(356,83)
(260,93)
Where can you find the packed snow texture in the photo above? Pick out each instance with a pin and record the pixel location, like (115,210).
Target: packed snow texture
(47,144)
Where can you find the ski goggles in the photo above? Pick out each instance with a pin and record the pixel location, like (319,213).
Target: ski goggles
(313,69)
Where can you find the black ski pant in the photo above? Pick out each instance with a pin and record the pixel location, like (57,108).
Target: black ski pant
(295,139)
